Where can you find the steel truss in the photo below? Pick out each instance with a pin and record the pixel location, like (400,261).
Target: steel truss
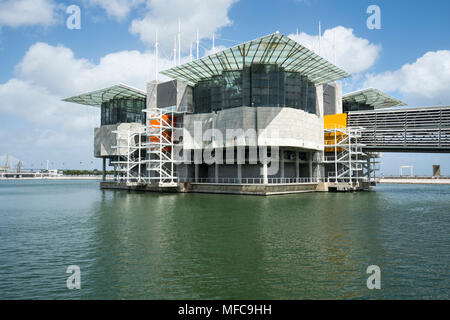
(404,130)
(160,130)
(130,155)
(351,164)
(149,149)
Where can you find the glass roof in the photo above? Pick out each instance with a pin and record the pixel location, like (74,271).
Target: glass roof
(373,97)
(96,98)
(271,49)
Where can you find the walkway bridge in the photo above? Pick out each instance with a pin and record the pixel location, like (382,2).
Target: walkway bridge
(404,130)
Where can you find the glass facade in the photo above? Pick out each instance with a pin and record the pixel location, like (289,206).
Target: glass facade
(261,85)
(122,110)
(355,106)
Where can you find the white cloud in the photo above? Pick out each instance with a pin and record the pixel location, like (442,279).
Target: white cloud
(63,149)
(52,67)
(162,16)
(16,13)
(48,74)
(118,9)
(62,74)
(353,54)
(34,104)
(424,82)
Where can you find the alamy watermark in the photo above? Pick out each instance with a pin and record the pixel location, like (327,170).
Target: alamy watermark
(374,280)
(73,22)
(74,280)
(374,20)
(236,146)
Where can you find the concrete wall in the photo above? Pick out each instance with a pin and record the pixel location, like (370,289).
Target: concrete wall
(105,139)
(170,93)
(338,96)
(332,99)
(152,94)
(167,94)
(185,98)
(285,127)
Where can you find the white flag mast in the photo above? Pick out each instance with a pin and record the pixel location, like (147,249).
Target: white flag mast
(156,55)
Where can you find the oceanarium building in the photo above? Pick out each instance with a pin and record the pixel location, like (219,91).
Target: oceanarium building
(269,113)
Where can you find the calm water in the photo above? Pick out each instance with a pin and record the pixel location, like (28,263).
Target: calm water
(151,246)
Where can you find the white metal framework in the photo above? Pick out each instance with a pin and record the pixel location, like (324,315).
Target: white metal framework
(160,131)
(130,155)
(410,168)
(348,159)
(150,149)
(425,129)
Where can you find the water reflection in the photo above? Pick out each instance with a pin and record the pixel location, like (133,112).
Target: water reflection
(218,246)
(189,246)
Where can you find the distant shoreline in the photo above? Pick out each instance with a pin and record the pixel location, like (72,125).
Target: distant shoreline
(56,178)
(413,180)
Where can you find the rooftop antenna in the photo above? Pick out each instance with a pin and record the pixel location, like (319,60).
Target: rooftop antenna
(213,42)
(175,51)
(334,49)
(190,53)
(334,46)
(320,36)
(179,42)
(297,33)
(198,44)
(156,55)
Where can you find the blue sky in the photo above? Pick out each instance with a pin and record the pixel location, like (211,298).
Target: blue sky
(42,61)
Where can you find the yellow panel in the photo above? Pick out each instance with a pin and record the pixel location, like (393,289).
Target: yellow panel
(335,121)
(331,122)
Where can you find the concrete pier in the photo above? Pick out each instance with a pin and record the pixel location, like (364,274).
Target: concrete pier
(213,188)
(239,189)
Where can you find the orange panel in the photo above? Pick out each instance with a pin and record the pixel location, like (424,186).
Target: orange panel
(167,134)
(331,122)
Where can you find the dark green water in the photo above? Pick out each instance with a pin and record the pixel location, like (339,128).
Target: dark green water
(151,246)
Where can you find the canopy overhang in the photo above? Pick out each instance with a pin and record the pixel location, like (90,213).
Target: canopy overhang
(96,98)
(271,49)
(373,97)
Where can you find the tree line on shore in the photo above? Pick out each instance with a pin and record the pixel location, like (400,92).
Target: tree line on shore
(94,172)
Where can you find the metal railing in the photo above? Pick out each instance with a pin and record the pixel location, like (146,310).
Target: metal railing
(252,180)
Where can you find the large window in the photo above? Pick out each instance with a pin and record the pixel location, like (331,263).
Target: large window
(355,106)
(267,85)
(202,97)
(261,85)
(122,110)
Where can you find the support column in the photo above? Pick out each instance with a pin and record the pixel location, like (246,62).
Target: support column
(196,172)
(282,163)
(104,169)
(239,172)
(320,171)
(310,162)
(265,178)
(216,172)
(297,163)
